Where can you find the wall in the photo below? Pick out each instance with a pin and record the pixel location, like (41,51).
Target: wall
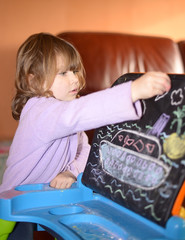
(20,18)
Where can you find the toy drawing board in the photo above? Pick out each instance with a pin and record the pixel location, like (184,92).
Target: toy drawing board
(132,187)
(141,164)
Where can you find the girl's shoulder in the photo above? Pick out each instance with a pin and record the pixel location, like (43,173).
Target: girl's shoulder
(37,103)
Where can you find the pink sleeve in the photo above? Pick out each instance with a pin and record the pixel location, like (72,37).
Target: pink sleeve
(78,164)
(56,119)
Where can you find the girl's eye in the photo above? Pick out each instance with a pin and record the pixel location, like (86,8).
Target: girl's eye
(63,73)
(75,71)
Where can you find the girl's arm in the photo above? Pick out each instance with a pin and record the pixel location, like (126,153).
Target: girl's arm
(149,85)
(53,119)
(77,166)
(67,178)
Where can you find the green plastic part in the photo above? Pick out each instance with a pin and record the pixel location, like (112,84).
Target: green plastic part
(6,227)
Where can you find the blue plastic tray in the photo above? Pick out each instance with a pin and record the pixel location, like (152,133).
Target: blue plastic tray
(78,213)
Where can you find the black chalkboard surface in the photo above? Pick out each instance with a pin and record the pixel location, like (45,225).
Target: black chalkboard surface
(141,164)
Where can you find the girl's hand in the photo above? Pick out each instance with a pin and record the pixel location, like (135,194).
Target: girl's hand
(149,85)
(63,180)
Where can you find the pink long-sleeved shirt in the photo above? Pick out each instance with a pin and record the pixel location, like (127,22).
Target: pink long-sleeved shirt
(50,136)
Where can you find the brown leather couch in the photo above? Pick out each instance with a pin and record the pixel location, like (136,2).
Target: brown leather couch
(107,56)
(181,45)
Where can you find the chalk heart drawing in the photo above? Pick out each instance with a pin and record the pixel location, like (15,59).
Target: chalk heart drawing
(134,160)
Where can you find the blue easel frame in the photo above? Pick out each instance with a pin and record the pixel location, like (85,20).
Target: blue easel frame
(79,213)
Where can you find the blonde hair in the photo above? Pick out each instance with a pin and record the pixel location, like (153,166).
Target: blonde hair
(36,67)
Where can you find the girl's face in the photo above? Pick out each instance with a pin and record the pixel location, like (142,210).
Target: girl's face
(66,84)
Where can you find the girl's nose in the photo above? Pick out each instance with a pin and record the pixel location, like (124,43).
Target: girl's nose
(74,77)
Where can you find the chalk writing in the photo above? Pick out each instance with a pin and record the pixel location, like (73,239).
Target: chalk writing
(132,167)
(142,162)
(159,125)
(121,192)
(138,142)
(144,195)
(174,145)
(177,97)
(151,207)
(160,96)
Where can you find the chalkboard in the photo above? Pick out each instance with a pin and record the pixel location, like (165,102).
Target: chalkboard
(141,164)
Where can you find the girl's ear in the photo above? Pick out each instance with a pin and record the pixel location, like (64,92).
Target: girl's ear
(30,77)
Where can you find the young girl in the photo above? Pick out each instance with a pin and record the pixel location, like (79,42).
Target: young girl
(50,145)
